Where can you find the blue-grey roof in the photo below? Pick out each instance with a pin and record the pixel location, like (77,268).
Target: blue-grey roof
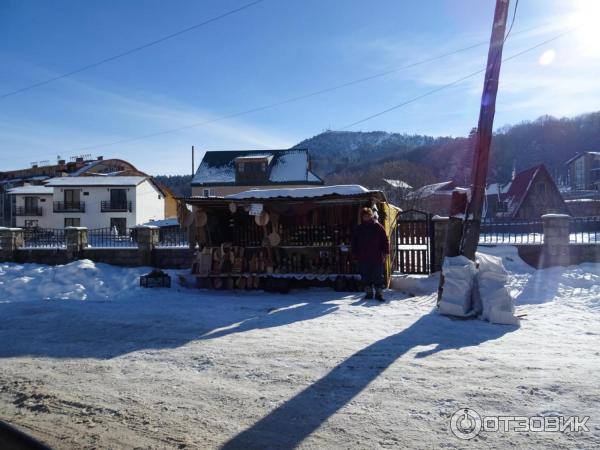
(285,167)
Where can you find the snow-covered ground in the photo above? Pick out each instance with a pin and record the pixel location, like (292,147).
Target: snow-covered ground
(90,360)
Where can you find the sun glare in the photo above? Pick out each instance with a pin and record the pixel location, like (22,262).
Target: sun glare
(547,57)
(585,20)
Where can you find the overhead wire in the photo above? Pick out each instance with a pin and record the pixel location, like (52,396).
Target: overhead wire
(130,51)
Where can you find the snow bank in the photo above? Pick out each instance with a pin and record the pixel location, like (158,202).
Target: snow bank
(79,280)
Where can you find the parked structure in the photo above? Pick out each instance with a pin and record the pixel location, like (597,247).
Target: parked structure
(228,172)
(92,201)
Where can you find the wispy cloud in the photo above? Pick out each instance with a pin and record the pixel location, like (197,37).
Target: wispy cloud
(91,117)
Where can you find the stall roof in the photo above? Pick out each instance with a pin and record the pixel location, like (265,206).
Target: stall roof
(320,193)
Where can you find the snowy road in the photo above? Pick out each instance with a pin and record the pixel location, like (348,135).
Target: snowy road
(89,360)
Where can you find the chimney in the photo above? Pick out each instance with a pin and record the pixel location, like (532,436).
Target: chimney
(100,158)
(61,162)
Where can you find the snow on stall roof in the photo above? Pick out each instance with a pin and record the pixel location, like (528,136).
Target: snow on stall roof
(25,190)
(96,181)
(344,189)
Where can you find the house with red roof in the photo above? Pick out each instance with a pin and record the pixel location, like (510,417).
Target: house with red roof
(531,194)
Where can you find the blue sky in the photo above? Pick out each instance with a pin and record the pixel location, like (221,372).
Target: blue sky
(267,53)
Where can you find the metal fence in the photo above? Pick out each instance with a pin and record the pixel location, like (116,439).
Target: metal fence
(172,237)
(43,238)
(584,230)
(112,237)
(511,231)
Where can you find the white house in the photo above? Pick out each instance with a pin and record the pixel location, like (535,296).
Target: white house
(92,202)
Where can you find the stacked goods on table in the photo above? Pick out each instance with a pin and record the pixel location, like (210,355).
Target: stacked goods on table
(258,242)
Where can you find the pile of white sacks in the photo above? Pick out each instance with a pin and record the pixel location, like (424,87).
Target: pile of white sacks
(477,289)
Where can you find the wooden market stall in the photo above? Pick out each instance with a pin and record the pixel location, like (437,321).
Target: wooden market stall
(278,238)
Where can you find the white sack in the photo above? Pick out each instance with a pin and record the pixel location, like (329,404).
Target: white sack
(459,276)
(497,304)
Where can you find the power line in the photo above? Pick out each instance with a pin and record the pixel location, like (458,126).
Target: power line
(448,85)
(298,97)
(130,51)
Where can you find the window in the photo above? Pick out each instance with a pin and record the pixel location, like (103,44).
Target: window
(118,198)
(206,192)
(71,198)
(502,207)
(72,222)
(119,224)
(541,188)
(579,174)
(31,204)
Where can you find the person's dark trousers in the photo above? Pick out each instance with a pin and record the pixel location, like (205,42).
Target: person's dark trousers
(371,274)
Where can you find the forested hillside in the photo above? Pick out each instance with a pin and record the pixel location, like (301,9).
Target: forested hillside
(368,157)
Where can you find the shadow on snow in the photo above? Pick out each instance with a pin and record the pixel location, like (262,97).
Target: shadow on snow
(103,330)
(289,424)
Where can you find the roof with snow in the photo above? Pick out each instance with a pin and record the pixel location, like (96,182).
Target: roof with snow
(443,188)
(579,155)
(352,192)
(398,183)
(284,167)
(311,192)
(96,181)
(31,190)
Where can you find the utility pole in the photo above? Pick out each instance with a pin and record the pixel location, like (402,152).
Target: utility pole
(472,224)
(193,165)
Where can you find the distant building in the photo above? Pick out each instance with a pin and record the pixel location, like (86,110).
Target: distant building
(432,198)
(228,172)
(95,202)
(531,194)
(37,175)
(584,171)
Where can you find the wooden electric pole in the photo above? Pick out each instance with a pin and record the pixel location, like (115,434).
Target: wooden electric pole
(472,224)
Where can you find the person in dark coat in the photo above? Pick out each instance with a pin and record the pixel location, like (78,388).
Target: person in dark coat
(370,246)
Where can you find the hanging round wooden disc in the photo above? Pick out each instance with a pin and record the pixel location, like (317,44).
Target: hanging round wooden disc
(262,219)
(217,283)
(232,208)
(201,218)
(274,239)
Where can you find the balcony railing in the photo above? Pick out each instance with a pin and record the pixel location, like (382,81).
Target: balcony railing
(28,211)
(69,206)
(108,206)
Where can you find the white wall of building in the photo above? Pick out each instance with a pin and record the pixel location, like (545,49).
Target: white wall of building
(149,204)
(46,220)
(92,196)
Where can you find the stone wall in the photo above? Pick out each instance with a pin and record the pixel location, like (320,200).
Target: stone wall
(146,254)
